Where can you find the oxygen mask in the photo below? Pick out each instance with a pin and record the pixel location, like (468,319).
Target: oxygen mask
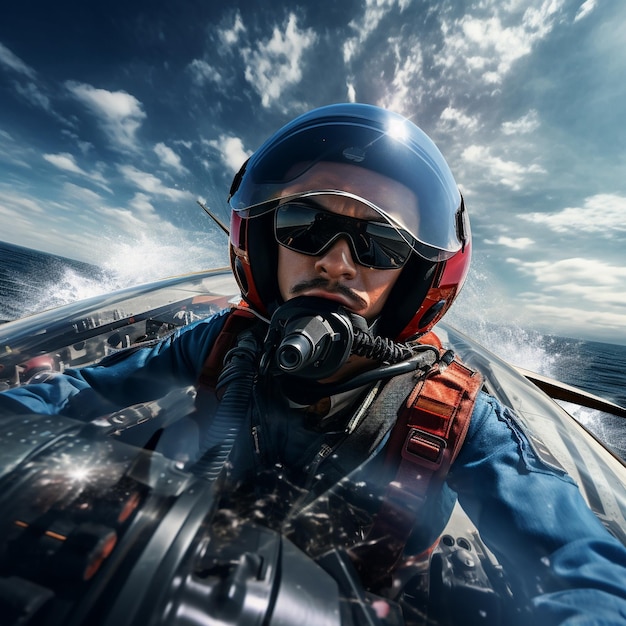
(311,338)
(308,338)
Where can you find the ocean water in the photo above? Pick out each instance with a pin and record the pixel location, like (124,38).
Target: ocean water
(32,281)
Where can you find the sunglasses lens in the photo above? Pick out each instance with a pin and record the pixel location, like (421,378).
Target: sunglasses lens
(309,230)
(387,248)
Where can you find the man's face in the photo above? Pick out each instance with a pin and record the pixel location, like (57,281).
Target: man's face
(335,274)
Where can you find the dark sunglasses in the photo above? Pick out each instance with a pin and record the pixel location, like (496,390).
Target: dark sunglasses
(310,230)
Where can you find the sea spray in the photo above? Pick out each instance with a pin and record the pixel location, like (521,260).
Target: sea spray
(482,313)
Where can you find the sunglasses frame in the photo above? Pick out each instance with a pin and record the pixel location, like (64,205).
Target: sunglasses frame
(350,234)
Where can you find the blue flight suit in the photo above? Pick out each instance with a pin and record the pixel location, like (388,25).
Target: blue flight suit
(531,515)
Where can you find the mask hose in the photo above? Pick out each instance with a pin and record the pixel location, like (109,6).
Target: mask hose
(311,338)
(235,383)
(378,348)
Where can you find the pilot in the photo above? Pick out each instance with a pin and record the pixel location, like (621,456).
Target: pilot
(349,241)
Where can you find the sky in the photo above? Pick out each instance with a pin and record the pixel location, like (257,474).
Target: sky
(116,118)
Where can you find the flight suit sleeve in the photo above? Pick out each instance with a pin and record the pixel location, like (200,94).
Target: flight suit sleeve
(532,515)
(138,374)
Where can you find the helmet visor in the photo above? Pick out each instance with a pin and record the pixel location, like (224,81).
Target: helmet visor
(403,177)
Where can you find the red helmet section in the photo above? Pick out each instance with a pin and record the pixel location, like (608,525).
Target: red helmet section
(448,281)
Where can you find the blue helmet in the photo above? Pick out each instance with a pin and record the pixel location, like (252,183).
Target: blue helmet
(380,141)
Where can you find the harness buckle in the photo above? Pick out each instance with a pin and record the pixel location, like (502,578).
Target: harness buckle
(424,448)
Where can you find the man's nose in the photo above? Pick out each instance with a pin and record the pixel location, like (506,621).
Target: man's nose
(337,261)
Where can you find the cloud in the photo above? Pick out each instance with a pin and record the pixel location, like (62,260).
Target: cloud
(409,62)
(203,73)
(123,220)
(487,47)
(231,151)
(230,36)
(602,213)
(586,8)
(275,64)
(151,184)
(141,204)
(581,296)
(351,92)
(14,152)
(453,118)
(14,205)
(82,195)
(375,11)
(13,62)
(29,90)
(508,173)
(574,271)
(33,94)
(119,114)
(578,321)
(169,158)
(522,126)
(518,243)
(66,162)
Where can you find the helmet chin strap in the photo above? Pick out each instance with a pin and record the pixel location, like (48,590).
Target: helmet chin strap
(310,339)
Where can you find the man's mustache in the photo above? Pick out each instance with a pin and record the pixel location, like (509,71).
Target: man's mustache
(330,287)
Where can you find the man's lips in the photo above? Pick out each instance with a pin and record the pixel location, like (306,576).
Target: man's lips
(322,288)
(329,295)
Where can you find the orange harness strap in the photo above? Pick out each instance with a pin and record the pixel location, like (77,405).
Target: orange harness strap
(237,321)
(427,437)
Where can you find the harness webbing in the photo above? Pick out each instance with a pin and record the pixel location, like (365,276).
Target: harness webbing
(237,321)
(429,432)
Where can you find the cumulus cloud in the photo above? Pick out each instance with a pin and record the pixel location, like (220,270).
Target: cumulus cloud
(577,295)
(488,46)
(576,270)
(518,243)
(141,205)
(119,113)
(203,73)
(373,13)
(66,162)
(600,214)
(454,118)
(574,320)
(151,184)
(508,173)
(231,151)
(401,94)
(169,158)
(586,8)
(123,220)
(522,126)
(275,64)
(230,36)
